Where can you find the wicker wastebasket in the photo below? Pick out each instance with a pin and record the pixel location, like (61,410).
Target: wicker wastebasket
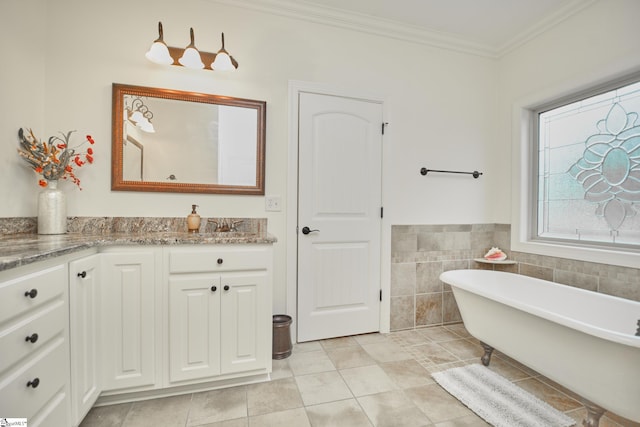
(281,336)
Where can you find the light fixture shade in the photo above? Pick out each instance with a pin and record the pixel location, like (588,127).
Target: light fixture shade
(137,117)
(191,57)
(159,52)
(223,61)
(146,126)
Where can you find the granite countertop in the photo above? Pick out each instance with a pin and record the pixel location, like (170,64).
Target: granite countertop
(25,248)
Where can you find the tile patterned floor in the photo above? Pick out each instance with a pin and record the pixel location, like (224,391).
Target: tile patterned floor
(379,380)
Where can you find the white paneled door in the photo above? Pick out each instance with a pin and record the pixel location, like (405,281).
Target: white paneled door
(339,216)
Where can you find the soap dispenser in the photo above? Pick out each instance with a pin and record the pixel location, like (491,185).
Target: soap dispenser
(193,220)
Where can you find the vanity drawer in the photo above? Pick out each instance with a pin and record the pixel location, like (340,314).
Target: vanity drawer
(40,328)
(49,367)
(190,260)
(32,290)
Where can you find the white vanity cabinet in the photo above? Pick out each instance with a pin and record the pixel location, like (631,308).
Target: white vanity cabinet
(84,301)
(131,322)
(219,311)
(34,343)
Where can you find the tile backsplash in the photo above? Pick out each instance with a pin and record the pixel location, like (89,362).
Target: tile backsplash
(419,253)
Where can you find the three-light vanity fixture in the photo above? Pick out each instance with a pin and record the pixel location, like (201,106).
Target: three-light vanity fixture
(190,57)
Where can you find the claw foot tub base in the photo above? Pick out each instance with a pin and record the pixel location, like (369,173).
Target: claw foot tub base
(488,351)
(594,412)
(584,341)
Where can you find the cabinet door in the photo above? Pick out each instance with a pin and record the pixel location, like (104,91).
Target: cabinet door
(245,322)
(194,327)
(84,297)
(130,325)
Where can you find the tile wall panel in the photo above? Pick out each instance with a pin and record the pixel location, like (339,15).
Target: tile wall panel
(419,253)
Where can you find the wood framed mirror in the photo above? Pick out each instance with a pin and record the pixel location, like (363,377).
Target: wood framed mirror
(174,141)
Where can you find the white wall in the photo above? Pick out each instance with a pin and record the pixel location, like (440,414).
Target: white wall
(438,103)
(592,47)
(22,96)
(446,110)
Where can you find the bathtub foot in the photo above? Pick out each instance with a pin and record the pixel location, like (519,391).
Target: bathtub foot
(594,412)
(486,357)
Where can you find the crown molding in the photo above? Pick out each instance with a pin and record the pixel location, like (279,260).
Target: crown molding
(354,21)
(544,25)
(302,10)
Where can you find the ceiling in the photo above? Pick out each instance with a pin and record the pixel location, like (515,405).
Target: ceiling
(484,27)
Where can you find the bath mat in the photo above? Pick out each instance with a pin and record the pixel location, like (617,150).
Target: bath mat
(497,400)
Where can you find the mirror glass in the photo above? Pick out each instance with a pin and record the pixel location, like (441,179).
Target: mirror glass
(175,141)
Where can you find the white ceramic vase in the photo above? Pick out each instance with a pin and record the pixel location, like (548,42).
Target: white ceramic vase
(52,210)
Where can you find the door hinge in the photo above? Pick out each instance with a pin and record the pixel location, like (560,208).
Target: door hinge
(383,126)
(380,294)
(381,212)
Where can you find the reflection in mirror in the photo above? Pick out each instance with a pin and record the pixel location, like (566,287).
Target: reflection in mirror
(167,140)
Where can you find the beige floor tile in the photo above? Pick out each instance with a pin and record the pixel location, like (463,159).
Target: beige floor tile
(338,342)
(322,388)
(469,421)
(386,352)
(306,346)
(238,422)
(389,373)
(218,405)
(507,370)
(459,329)
(310,362)
(106,416)
(367,380)
(407,373)
(373,338)
(290,418)
(439,333)
(411,337)
(280,369)
(166,411)
(553,397)
(434,352)
(392,409)
(344,413)
(463,349)
(273,396)
(349,357)
(436,403)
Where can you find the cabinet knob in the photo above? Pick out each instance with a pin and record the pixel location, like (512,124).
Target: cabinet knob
(82,274)
(226,287)
(220,260)
(32,338)
(214,288)
(32,293)
(34,383)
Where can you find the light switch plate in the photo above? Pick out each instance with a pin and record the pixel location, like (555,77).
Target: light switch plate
(272,203)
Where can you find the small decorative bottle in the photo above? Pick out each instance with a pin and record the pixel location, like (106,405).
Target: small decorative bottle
(193,220)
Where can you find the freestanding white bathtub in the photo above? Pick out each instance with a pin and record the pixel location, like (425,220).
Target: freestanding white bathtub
(583,340)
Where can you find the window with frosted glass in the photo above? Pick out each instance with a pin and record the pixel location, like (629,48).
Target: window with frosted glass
(589,169)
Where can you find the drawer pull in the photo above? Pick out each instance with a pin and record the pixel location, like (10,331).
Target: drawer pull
(226,287)
(34,383)
(32,338)
(82,274)
(220,260)
(214,288)
(32,293)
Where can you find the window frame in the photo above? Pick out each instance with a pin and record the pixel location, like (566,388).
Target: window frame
(524,233)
